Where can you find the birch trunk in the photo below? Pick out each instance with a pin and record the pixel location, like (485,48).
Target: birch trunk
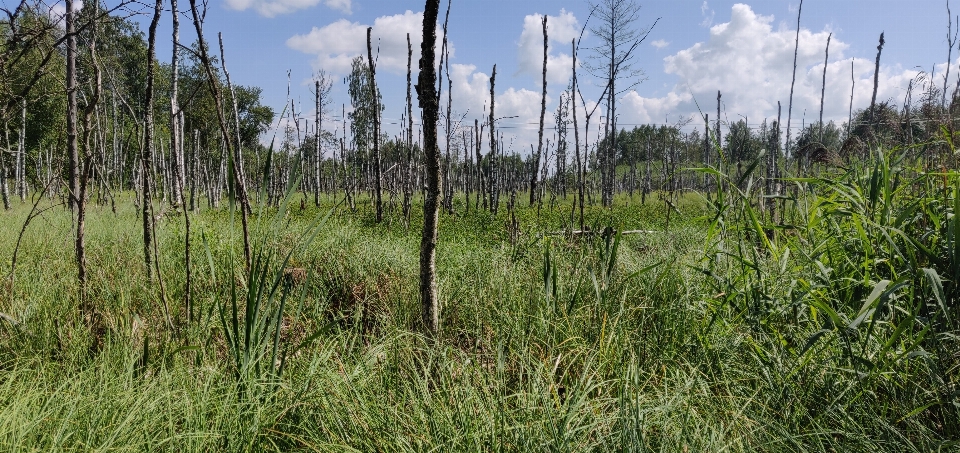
(146,154)
(72,104)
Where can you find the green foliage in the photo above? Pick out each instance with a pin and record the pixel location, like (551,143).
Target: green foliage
(365,106)
(833,330)
(851,293)
(255,118)
(829,136)
(741,143)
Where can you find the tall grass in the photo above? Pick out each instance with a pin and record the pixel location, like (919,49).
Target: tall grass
(834,330)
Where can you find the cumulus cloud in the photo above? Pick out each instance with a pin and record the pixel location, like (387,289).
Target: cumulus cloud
(561,30)
(660,43)
(751,63)
(337,44)
(517,110)
(271,8)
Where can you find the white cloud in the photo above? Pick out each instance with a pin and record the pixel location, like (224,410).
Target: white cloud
(653,110)
(660,43)
(517,110)
(751,63)
(561,30)
(343,6)
(707,14)
(271,8)
(337,44)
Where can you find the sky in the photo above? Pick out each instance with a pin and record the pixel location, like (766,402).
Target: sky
(745,50)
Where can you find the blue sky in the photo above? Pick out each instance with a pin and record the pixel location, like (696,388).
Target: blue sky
(743,49)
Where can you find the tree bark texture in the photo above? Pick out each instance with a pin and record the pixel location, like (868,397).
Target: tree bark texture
(429,102)
(72,154)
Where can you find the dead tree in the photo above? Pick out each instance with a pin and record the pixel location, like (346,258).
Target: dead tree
(237,154)
(445,181)
(430,104)
(576,133)
(876,82)
(323,84)
(719,138)
(21,153)
(408,172)
(853,84)
(796,49)
(494,202)
(377,177)
(543,113)
(146,154)
(823,89)
(176,147)
(179,167)
(86,169)
(3,175)
(562,121)
(586,130)
(614,57)
(72,154)
(214,86)
(706,149)
(478,144)
(317,150)
(951,41)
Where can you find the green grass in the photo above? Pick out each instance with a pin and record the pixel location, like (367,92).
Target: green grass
(700,338)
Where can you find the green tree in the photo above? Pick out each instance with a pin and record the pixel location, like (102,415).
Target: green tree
(364,105)
(741,144)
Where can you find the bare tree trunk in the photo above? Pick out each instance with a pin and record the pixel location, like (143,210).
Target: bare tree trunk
(853,84)
(427,95)
(706,149)
(543,113)
(86,171)
(176,149)
(796,49)
(466,171)
(445,180)
(719,138)
(876,83)
(951,41)
(239,174)
(823,87)
(906,112)
(218,99)
(776,165)
(493,145)
(21,153)
(408,171)
(3,172)
(481,185)
(576,133)
(72,104)
(194,165)
(378,177)
(646,178)
(318,151)
(146,154)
